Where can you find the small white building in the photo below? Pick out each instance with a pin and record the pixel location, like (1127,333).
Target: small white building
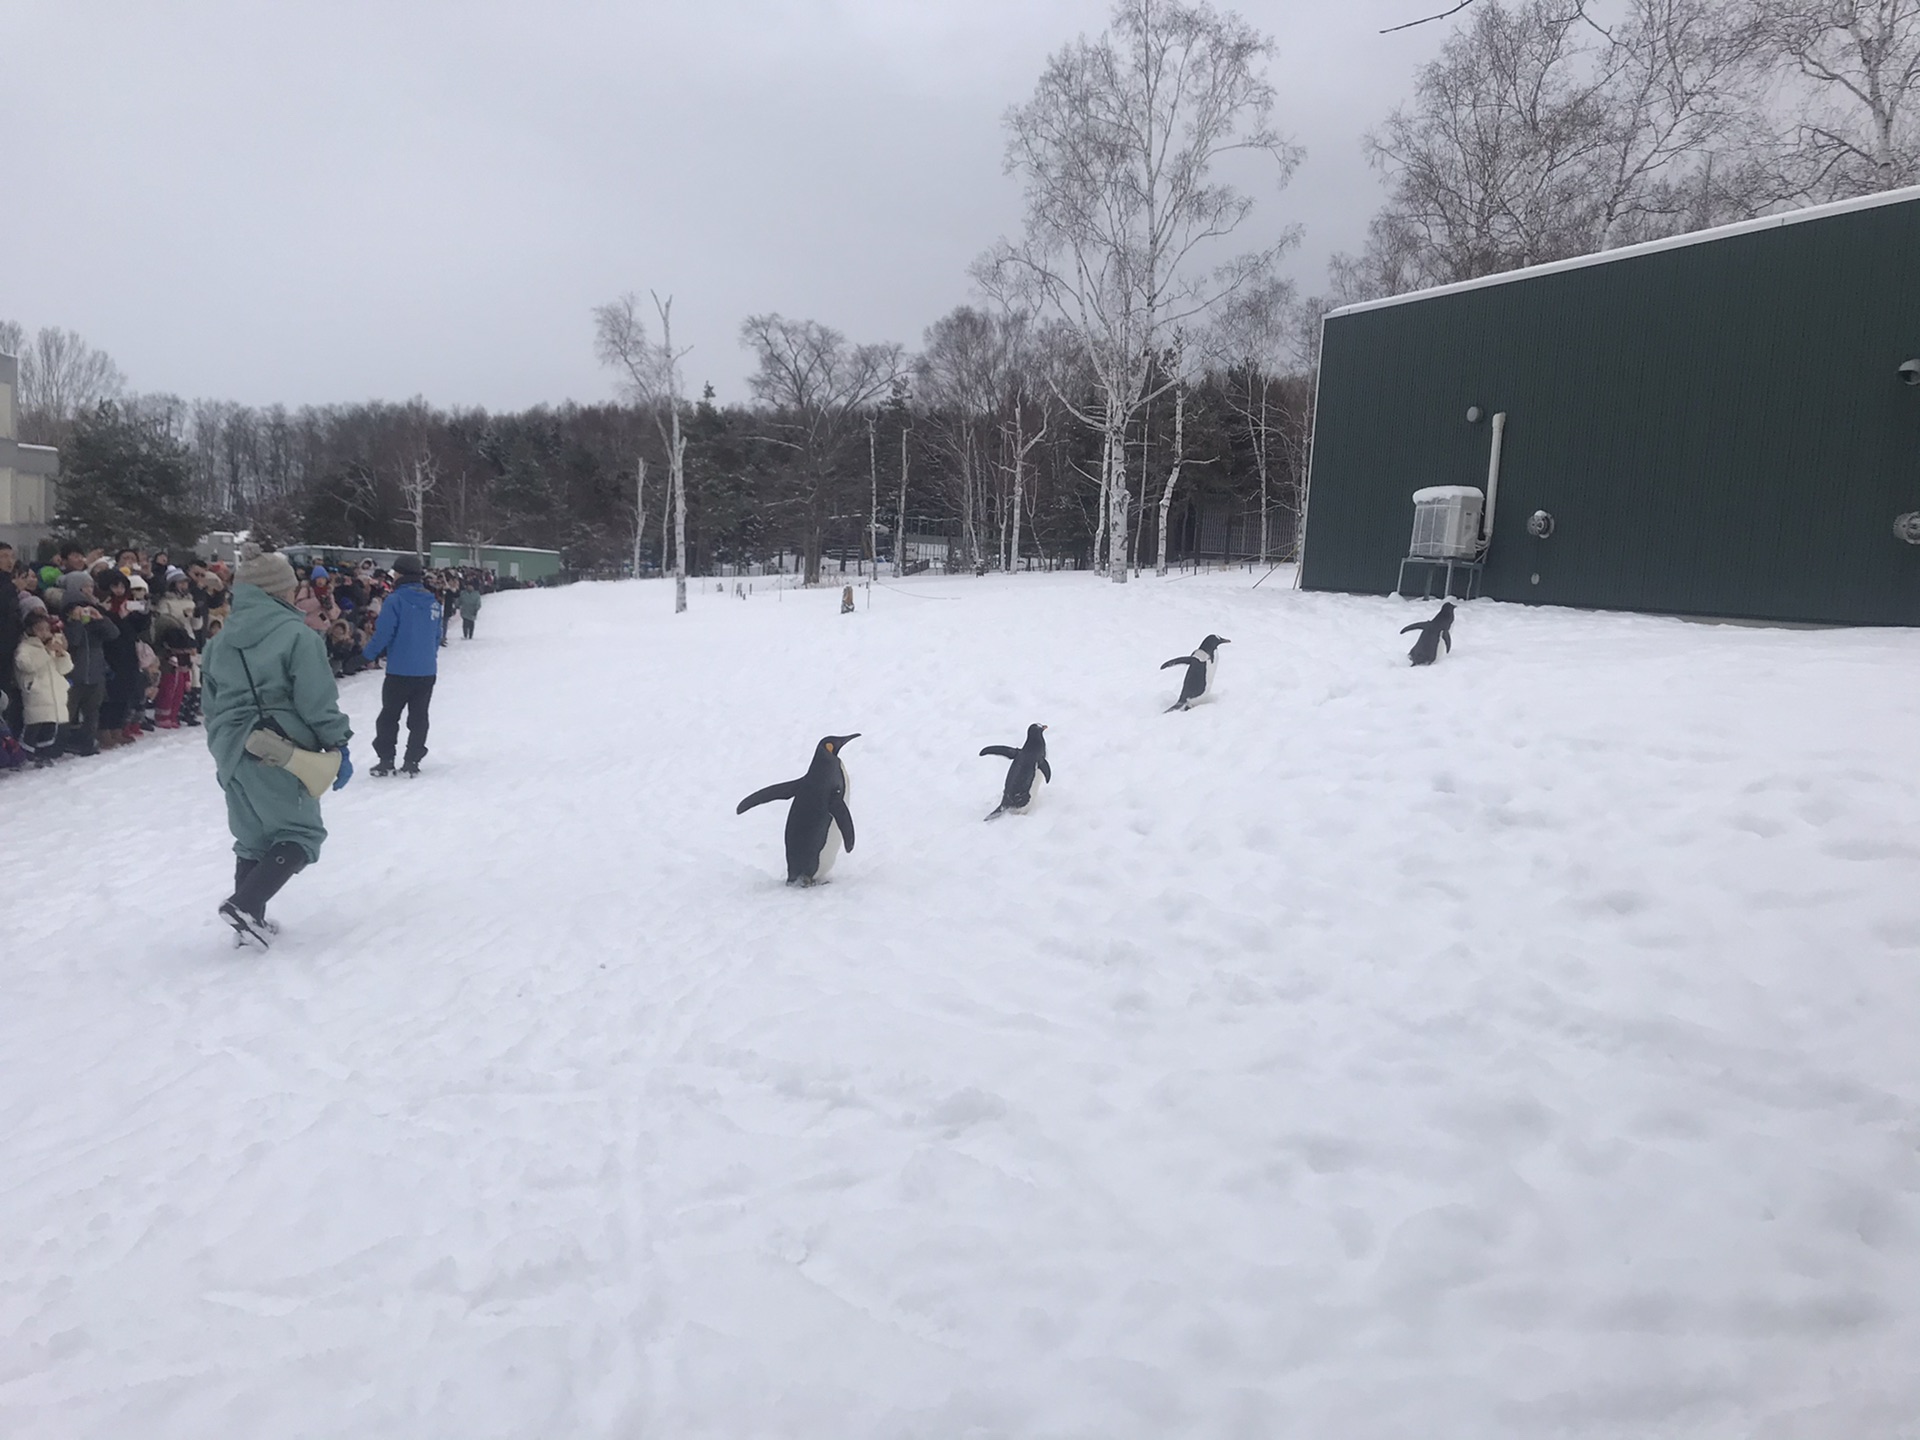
(28,491)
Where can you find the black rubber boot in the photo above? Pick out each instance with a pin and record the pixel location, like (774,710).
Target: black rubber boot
(246,912)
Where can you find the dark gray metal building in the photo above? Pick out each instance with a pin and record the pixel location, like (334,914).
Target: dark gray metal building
(1726,423)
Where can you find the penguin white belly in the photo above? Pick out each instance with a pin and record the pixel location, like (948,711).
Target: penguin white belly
(830,851)
(1033,794)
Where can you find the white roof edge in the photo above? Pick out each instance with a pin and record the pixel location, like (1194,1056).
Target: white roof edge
(489,545)
(50,449)
(1648,247)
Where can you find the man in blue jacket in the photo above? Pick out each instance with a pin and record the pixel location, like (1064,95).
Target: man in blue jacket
(408,634)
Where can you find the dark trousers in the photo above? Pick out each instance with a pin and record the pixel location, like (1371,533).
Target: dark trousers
(42,741)
(83,709)
(411,693)
(466,626)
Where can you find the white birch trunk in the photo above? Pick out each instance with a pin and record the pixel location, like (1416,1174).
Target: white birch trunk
(1260,458)
(1118,495)
(679,481)
(1019,489)
(1173,476)
(900,530)
(639,511)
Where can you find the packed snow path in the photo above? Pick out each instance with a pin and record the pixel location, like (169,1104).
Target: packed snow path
(1524,1047)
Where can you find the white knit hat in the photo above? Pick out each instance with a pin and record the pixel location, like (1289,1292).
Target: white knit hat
(268,569)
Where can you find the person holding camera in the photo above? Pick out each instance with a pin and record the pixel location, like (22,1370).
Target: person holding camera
(88,633)
(278,738)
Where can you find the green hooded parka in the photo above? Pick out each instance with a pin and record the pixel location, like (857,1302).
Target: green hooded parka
(270,641)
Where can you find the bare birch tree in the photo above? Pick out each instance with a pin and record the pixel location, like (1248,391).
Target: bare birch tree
(1252,337)
(1118,150)
(1855,79)
(61,378)
(653,382)
(1177,369)
(1540,134)
(419,479)
(817,388)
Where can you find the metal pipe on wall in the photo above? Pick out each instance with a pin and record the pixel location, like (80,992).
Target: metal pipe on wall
(1493,479)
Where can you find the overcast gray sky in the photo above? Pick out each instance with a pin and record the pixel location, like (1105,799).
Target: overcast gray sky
(311,201)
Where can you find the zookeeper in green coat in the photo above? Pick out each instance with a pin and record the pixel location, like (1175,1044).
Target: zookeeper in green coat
(265,678)
(469,603)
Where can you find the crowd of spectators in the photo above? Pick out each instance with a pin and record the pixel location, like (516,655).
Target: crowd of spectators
(99,649)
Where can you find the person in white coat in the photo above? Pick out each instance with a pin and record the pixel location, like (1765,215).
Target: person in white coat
(41,665)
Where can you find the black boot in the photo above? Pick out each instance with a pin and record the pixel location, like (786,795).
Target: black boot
(382,770)
(246,912)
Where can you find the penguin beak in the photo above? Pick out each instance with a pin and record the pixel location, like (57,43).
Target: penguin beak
(842,740)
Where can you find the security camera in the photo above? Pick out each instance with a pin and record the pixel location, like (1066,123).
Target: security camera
(1910,372)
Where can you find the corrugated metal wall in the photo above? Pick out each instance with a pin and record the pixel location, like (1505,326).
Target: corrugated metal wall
(1717,429)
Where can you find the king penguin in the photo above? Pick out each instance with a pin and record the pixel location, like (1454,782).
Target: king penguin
(1199,679)
(1017,795)
(1426,649)
(818,820)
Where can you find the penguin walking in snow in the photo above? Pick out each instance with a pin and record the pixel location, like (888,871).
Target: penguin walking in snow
(1199,672)
(1426,649)
(818,820)
(1017,795)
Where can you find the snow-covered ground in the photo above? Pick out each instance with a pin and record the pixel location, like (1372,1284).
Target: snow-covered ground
(1524,1047)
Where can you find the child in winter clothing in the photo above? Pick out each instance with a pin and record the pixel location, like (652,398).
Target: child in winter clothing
(42,664)
(177,608)
(343,650)
(176,678)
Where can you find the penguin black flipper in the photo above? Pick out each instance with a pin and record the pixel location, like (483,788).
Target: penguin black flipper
(1416,625)
(842,817)
(1447,635)
(1005,752)
(785,790)
(1183,660)
(1045,769)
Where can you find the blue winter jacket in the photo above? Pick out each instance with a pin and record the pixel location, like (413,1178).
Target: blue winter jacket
(408,632)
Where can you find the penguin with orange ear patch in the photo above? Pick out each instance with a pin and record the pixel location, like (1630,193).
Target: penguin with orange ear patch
(818,820)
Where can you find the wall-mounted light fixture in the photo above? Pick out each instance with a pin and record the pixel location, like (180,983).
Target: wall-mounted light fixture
(1910,372)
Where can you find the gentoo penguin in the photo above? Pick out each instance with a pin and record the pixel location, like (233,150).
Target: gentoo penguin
(1199,672)
(1426,649)
(818,819)
(1032,756)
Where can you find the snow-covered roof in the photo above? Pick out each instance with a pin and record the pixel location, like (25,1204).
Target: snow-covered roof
(1627,252)
(1446,492)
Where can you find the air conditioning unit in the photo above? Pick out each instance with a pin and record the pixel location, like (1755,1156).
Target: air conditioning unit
(1446,522)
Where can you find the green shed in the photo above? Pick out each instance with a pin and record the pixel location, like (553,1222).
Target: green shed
(509,562)
(1725,423)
